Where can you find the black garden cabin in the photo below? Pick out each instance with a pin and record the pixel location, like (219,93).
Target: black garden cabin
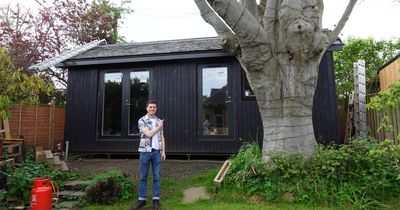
(202,94)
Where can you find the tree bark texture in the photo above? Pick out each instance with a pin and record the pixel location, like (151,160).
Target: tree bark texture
(279,44)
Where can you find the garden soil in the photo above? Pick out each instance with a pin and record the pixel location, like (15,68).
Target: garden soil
(170,168)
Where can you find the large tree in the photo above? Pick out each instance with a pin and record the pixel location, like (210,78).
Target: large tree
(279,44)
(31,37)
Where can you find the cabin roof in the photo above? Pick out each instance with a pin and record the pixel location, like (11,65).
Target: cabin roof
(156,47)
(155,51)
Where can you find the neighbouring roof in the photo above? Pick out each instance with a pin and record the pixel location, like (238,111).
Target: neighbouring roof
(389,62)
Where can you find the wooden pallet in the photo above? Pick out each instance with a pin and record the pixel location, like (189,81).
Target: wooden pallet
(12,145)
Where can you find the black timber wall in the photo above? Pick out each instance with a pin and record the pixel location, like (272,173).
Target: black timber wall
(325,117)
(174,86)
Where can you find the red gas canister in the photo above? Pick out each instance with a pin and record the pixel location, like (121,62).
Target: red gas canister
(41,194)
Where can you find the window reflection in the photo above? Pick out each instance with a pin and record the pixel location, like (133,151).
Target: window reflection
(112,104)
(139,94)
(214,101)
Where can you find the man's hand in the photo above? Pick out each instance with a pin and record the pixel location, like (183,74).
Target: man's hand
(163,156)
(160,123)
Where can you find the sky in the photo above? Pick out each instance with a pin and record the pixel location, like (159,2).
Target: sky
(175,19)
(154,20)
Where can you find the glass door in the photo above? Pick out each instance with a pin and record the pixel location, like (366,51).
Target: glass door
(122,99)
(138,97)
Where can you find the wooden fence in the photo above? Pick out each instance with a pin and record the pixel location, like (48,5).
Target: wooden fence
(374,119)
(40,125)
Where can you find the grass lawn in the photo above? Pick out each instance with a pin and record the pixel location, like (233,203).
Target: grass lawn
(172,194)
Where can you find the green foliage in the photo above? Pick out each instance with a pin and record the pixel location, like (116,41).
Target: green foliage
(120,185)
(16,86)
(360,174)
(385,101)
(21,180)
(375,53)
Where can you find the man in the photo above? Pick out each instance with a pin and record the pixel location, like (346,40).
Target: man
(152,151)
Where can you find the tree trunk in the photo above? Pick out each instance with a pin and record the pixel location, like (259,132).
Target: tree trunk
(286,112)
(279,46)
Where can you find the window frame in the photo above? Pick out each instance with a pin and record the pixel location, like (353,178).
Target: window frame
(230,112)
(124,107)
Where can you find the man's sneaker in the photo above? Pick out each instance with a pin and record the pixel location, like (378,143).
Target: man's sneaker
(156,204)
(140,204)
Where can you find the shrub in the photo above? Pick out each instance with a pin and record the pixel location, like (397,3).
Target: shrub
(20,181)
(362,171)
(112,183)
(104,192)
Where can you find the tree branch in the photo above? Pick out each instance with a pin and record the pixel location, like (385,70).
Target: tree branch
(250,5)
(270,20)
(320,4)
(244,24)
(342,22)
(227,37)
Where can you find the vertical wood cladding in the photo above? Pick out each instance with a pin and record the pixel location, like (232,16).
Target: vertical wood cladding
(81,111)
(174,84)
(325,118)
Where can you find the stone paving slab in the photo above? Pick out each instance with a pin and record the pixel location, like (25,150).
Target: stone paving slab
(195,193)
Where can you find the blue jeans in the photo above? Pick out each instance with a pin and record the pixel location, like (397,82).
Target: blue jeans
(153,157)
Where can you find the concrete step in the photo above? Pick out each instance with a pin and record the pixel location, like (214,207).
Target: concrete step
(76,185)
(66,195)
(56,160)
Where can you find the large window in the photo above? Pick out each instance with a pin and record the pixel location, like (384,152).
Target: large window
(123,99)
(139,94)
(214,101)
(111,123)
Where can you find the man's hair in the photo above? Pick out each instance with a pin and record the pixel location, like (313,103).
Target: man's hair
(151,102)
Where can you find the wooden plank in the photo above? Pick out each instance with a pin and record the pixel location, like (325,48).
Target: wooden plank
(6,125)
(49,154)
(10,160)
(221,174)
(40,156)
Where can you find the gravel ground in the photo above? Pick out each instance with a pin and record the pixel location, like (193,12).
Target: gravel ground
(172,168)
